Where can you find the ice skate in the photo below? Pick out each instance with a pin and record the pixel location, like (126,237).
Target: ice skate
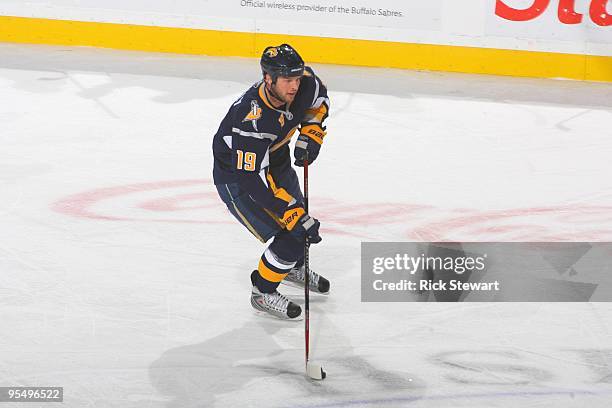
(275,304)
(316,282)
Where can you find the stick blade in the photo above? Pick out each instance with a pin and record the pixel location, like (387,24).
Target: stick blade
(315,371)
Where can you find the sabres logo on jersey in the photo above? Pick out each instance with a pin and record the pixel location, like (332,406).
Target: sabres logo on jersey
(254,114)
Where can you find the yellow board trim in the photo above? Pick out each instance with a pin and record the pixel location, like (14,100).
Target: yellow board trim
(313,49)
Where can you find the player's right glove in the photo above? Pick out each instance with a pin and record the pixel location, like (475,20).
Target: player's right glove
(301,224)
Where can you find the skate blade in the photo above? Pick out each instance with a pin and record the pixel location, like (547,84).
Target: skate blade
(267,315)
(298,286)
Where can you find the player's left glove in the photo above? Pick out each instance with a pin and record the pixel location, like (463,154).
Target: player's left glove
(309,140)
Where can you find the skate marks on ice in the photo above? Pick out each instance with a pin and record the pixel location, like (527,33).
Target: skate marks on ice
(600,362)
(96,73)
(127,68)
(196,201)
(263,360)
(494,378)
(489,368)
(470,378)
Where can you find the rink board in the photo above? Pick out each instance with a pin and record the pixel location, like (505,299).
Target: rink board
(358,52)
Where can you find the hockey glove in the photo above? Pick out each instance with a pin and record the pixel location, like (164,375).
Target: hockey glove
(309,140)
(302,225)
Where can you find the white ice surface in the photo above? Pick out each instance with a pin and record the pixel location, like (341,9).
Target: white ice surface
(124,280)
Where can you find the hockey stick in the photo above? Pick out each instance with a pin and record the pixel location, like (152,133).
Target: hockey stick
(314,371)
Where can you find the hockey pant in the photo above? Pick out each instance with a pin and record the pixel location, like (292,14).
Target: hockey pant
(285,250)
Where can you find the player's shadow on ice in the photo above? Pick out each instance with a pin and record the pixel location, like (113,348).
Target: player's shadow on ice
(248,362)
(194,375)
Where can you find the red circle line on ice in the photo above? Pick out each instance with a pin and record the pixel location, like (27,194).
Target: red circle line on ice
(82,204)
(196,201)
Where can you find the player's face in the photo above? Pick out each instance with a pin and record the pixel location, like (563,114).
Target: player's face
(286,88)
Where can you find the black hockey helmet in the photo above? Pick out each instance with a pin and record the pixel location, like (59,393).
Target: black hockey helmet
(282,60)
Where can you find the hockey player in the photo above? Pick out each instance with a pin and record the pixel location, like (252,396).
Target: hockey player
(255,179)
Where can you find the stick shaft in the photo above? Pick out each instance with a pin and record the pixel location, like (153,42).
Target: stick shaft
(306,270)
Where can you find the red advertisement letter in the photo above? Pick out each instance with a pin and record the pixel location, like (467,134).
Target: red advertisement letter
(567,15)
(598,12)
(509,13)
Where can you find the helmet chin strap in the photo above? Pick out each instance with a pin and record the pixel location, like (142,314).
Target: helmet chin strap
(286,112)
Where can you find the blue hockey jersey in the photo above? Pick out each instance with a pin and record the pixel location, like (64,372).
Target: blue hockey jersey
(253,138)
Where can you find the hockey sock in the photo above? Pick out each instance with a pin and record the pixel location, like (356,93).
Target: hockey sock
(271,271)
